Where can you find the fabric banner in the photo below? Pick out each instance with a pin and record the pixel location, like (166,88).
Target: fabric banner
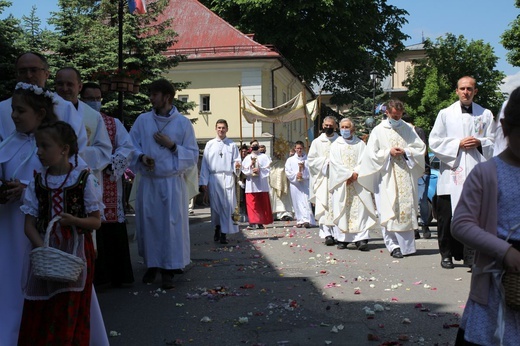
(312,109)
(293,109)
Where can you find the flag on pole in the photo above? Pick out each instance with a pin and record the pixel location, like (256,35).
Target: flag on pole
(138,6)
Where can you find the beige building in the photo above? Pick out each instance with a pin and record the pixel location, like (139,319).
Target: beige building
(220,61)
(402,65)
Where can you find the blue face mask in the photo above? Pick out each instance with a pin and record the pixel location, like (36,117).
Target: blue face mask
(96,105)
(345,133)
(393,122)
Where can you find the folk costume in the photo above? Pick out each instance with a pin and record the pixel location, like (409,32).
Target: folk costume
(257,188)
(393,180)
(54,312)
(300,189)
(218,173)
(318,161)
(352,205)
(113,263)
(161,205)
(453,124)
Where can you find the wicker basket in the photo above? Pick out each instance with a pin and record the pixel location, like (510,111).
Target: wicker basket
(511,283)
(51,264)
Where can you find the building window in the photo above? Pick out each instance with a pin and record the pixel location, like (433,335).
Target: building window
(204,103)
(183,98)
(284,97)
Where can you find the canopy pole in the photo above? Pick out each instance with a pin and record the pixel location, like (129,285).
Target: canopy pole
(240,111)
(305,117)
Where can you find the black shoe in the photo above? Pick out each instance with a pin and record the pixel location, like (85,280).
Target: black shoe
(216,237)
(397,253)
(150,275)
(260,226)
(362,245)
(178,271)
(167,279)
(342,245)
(426,232)
(417,235)
(223,239)
(307,225)
(329,240)
(447,263)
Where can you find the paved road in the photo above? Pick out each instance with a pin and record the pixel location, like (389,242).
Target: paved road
(283,286)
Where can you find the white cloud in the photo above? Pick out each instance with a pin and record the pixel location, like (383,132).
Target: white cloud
(511,82)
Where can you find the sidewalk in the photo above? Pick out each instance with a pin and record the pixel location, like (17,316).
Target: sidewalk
(282,286)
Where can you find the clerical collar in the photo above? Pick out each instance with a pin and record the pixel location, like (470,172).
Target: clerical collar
(170,113)
(467,109)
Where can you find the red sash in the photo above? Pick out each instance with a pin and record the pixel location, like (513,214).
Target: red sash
(109,186)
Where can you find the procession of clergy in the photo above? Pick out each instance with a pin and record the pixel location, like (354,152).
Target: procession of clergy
(344,186)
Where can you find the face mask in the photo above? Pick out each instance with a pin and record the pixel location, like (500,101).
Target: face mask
(345,133)
(96,105)
(255,147)
(329,131)
(394,122)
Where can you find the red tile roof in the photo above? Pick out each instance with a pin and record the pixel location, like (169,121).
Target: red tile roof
(204,35)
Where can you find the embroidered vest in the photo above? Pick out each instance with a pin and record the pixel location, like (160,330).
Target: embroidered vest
(73,201)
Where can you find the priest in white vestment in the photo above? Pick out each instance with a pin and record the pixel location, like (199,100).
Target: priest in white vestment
(462,137)
(32,68)
(166,151)
(392,163)
(352,205)
(219,171)
(297,172)
(318,161)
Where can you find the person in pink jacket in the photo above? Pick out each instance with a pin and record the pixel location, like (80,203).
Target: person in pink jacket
(487,220)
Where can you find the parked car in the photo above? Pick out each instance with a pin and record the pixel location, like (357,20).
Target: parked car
(432,187)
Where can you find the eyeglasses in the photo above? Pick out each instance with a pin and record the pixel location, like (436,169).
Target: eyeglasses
(92,99)
(32,70)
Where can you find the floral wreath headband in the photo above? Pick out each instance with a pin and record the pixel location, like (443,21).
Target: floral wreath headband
(37,91)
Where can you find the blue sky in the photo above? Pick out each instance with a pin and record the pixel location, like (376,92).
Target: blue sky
(475,20)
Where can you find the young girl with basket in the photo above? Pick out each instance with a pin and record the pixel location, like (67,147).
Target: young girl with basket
(32,106)
(56,311)
(487,220)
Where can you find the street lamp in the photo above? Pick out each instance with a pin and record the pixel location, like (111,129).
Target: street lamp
(370,121)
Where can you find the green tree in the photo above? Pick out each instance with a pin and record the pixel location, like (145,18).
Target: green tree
(432,81)
(9,33)
(34,38)
(336,42)
(88,40)
(511,40)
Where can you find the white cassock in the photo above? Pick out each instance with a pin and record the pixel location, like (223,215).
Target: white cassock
(352,205)
(258,183)
(318,161)
(279,194)
(218,173)
(64,110)
(500,141)
(393,180)
(18,160)
(98,152)
(450,127)
(300,189)
(162,198)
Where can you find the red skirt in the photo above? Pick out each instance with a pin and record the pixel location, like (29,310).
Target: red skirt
(64,319)
(259,208)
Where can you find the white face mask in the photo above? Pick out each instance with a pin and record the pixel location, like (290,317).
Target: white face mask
(345,133)
(96,105)
(393,122)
